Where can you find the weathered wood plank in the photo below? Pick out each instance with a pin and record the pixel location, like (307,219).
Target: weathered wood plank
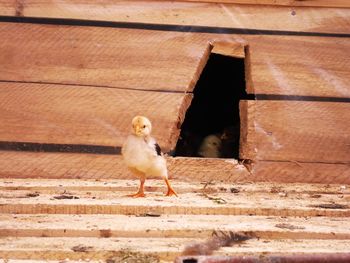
(42,113)
(274,203)
(134,59)
(315,66)
(319,3)
(292,172)
(215,186)
(172,226)
(95,248)
(92,166)
(294,18)
(107,248)
(280,257)
(229,49)
(298,131)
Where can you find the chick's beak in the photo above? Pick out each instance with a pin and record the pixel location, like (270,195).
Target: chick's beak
(138,130)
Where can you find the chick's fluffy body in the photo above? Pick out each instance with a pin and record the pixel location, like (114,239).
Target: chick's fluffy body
(140,153)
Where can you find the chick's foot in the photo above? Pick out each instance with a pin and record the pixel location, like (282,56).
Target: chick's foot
(138,194)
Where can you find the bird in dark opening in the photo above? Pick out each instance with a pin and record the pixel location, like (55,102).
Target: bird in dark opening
(210,147)
(143,155)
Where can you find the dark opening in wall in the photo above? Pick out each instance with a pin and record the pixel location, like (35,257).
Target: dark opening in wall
(212,124)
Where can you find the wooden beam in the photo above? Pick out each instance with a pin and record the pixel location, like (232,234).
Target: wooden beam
(212,199)
(292,3)
(106,249)
(93,166)
(282,257)
(95,56)
(297,131)
(39,220)
(292,172)
(295,17)
(172,226)
(150,248)
(63,114)
(236,50)
(50,186)
(315,68)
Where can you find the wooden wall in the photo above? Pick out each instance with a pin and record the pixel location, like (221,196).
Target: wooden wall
(75,74)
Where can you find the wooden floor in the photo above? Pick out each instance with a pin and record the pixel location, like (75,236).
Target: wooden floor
(41,219)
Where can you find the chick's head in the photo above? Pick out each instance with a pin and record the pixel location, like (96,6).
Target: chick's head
(212,141)
(141,126)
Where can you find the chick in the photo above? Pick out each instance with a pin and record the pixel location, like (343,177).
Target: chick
(210,147)
(143,155)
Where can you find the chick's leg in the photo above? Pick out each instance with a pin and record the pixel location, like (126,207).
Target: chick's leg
(171,191)
(140,192)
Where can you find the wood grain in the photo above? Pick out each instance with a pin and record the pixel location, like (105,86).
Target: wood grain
(172,61)
(35,224)
(94,166)
(50,186)
(315,66)
(172,226)
(292,172)
(236,50)
(316,3)
(104,167)
(150,248)
(295,17)
(298,131)
(63,114)
(96,56)
(211,200)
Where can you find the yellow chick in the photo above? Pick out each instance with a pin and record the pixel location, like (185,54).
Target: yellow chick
(210,147)
(143,155)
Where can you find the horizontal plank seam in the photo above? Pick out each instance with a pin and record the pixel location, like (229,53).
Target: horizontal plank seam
(100,149)
(301,162)
(63,148)
(301,98)
(166,27)
(94,86)
(310,257)
(259,96)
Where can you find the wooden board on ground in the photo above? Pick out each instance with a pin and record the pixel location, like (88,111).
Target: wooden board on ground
(50,186)
(152,248)
(211,199)
(172,226)
(43,220)
(63,114)
(296,131)
(296,18)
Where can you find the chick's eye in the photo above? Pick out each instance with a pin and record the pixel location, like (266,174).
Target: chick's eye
(144,126)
